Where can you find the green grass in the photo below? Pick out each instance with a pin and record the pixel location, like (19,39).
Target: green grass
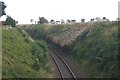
(23,58)
(95,51)
(36,31)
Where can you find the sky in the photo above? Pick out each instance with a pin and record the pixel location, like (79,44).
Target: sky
(24,10)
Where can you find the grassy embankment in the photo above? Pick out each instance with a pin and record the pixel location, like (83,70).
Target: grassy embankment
(23,58)
(94,51)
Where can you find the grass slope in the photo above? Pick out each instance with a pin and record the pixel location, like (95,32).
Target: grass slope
(95,51)
(23,58)
(36,31)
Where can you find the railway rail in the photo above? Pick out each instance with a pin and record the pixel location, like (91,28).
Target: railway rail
(64,69)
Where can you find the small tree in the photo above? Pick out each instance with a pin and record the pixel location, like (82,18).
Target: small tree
(42,20)
(68,21)
(52,21)
(31,20)
(104,18)
(73,21)
(82,20)
(62,21)
(91,20)
(98,19)
(10,21)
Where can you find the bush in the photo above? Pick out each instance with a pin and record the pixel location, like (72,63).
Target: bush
(97,52)
(39,50)
(17,59)
(10,21)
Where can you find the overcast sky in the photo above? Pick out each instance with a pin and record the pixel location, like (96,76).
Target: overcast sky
(24,10)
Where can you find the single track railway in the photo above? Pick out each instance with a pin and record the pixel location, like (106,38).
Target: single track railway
(62,66)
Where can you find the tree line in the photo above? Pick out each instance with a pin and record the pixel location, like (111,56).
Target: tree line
(43,20)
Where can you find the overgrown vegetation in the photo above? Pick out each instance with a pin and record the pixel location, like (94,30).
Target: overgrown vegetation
(10,21)
(23,58)
(36,31)
(95,50)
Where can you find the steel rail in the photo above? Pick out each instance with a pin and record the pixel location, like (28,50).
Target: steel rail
(71,72)
(57,65)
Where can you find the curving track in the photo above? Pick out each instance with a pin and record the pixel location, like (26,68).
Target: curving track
(62,66)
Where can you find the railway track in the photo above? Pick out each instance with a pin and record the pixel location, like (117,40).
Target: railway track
(64,69)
